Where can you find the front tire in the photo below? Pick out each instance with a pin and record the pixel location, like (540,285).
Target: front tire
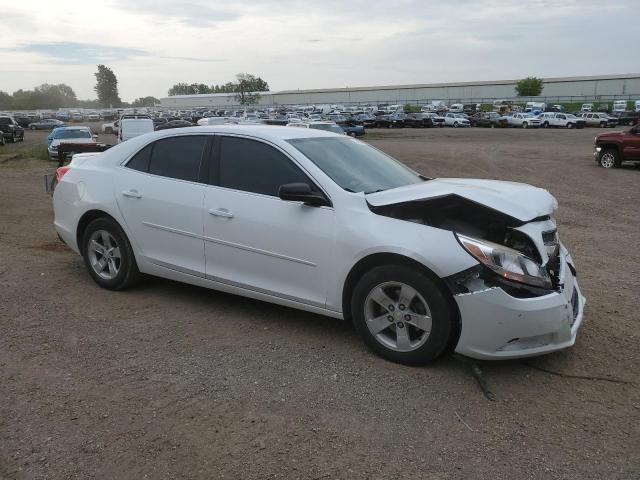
(609,158)
(108,255)
(402,315)
(603,124)
(525,125)
(569,125)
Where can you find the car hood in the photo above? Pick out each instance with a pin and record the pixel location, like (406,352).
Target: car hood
(518,200)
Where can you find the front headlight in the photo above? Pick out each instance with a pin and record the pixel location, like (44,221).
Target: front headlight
(506,262)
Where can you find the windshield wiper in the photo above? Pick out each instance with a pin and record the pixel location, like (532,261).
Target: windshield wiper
(375,191)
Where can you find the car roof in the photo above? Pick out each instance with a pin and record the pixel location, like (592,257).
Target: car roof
(267,132)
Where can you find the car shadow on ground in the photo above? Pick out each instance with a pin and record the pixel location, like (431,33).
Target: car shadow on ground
(490,377)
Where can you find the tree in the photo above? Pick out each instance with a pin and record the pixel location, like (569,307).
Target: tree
(529,87)
(6,101)
(107,87)
(246,88)
(145,102)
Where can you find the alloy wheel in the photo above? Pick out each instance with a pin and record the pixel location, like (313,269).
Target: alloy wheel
(104,254)
(607,160)
(397,316)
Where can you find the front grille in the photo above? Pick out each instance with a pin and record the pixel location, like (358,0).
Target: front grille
(553,267)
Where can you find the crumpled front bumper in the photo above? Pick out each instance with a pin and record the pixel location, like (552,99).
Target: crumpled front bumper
(496,325)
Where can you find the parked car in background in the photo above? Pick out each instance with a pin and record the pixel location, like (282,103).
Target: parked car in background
(611,149)
(456,120)
(10,129)
(328,224)
(77,117)
(524,120)
(456,108)
(365,119)
(63,116)
(174,124)
(565,120)
(603,107)
(93,117)
(81,135)
(628,118)
(418,120)
(437,120)
(488,119)
(636,106)
(324,126)
(23,120)
(352,129)
(110,127)
(46,124)
(131,126)
(602,120)
(586,107)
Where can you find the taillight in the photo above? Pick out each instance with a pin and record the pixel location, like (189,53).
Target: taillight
(60,171)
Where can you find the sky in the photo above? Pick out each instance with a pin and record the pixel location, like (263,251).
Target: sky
(153,44)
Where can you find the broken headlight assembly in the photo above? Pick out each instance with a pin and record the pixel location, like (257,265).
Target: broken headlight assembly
(506,262)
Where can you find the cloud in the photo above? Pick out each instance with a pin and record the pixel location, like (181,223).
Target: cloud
(80,53)
(192,59)
(192,13)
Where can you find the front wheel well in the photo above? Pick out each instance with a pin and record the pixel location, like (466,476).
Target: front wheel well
(377,259)
(609,146)
(88,217)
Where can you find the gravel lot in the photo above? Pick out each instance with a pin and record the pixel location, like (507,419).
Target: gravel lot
(174,381)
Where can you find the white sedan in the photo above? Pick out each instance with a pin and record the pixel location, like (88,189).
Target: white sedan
(328,224)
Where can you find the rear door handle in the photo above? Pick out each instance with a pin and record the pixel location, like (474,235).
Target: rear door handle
(221,212)
(131,194)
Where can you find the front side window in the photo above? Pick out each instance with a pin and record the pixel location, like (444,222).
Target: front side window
(354,165)
(256,167)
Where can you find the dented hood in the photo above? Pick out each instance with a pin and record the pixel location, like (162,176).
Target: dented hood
(518,200)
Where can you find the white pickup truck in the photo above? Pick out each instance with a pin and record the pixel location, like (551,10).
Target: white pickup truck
(523,120)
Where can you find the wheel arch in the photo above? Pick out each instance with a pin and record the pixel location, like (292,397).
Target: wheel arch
(610,146)
(86,218)
(377,259)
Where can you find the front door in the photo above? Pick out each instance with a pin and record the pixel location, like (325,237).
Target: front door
(160,196)
(255,240)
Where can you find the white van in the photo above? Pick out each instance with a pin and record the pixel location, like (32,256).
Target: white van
(636,106)
(587,107)
(619,106)
(133,125)
(456,108)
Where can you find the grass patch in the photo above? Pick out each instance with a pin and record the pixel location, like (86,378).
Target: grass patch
(24,150)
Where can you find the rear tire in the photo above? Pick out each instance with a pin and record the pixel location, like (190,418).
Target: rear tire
(603,124)
(419,330)
(569,125)
(108,255)
(525,125)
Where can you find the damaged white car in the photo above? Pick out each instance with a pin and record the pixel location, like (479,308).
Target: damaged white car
(329,224)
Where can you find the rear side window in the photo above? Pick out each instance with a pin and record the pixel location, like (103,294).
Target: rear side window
(176,157)
(141,160)
(253,166)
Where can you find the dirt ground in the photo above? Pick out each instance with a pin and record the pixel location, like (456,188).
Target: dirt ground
(173,381)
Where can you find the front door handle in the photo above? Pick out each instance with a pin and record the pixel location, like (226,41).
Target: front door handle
(221,212)
(131,194)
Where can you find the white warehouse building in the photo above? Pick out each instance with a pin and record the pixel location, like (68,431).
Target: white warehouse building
(567,89)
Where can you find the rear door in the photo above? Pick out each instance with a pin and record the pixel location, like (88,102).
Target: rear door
(255,240)
(160,193)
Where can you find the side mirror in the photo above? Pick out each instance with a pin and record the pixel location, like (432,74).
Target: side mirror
(301,192)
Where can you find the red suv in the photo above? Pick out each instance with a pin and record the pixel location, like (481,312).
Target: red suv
(613,148)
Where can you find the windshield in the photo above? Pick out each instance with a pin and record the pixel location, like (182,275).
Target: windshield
(73,134)
(327,127)
(354,165)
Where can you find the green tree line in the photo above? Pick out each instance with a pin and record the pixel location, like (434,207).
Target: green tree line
(244,88)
